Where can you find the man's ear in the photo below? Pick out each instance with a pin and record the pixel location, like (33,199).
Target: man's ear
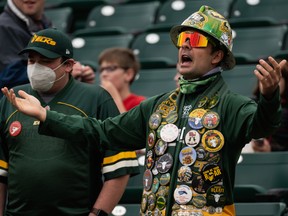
(69,65)
(217,56)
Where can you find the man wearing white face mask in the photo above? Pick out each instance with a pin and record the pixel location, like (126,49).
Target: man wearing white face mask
(51,176)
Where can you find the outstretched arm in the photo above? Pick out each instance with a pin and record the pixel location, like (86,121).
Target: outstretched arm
(269,76)
(26,104)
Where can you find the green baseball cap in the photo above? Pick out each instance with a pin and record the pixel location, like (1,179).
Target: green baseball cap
(50,43)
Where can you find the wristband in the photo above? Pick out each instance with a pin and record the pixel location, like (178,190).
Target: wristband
(98,212)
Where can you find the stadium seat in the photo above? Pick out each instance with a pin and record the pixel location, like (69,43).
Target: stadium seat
(87,49)
(258,13)
(81,9)
(253,43)
(154,81)
(269,170)
(61,18)
(121,18)
(173,12)
(155,49)
(260,209)
(238,75)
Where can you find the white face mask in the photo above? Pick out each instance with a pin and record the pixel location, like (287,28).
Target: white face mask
(41,77)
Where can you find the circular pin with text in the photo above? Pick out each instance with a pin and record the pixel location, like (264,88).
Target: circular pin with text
(169,132)
(187,156)
(164,163)
(213,140)
(15,128)
(210,120)
(195,118)
(147,179)
(151,138)
(192,138)
(160,147)
(182,194)
(155,120)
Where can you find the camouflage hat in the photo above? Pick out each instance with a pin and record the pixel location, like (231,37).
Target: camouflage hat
(213,24)
(50,43)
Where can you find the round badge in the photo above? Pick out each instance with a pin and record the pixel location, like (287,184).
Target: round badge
(144,201)
(151,201)
(155,120)
(192,138)
(172,117)
(199,201)
(195,118)
(184,174)
(150,159)
(187,156)
(163,191)
(164,163)
(198,184)
(160,147)
(213,101)
(159,129)
(155,185)
(210,120)
(213,140)
(15,128)
(147,179)
(161,202)
(201,153)
(211,173)
(216,196)
(203,102)
(213,157)
(165,179)
(182,194)
(151,139)
(169,132)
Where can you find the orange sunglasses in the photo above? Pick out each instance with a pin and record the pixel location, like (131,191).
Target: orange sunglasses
(195,39)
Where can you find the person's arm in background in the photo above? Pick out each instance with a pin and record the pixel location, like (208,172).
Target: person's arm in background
(110,194)
(108,86)
(83,73)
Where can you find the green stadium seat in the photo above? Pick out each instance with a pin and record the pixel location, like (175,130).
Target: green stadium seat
(260,209)
(87,49)
(155,49)
(154,81)
(258,13)
(253,43)
(173,12)
(61,18)
(268,170)
(241,74)
(81,9)
(121,18)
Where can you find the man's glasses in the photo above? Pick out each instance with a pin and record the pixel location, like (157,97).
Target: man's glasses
(195,39)
(110,69)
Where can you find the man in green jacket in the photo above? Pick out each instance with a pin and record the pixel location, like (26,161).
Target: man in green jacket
(47,176)
(193,135)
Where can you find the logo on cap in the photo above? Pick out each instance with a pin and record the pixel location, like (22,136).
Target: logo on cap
(43,39)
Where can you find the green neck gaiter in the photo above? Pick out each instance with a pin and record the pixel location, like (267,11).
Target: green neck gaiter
(191,86)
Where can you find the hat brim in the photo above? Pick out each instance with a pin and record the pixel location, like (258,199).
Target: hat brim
(229,61)
(44,52)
